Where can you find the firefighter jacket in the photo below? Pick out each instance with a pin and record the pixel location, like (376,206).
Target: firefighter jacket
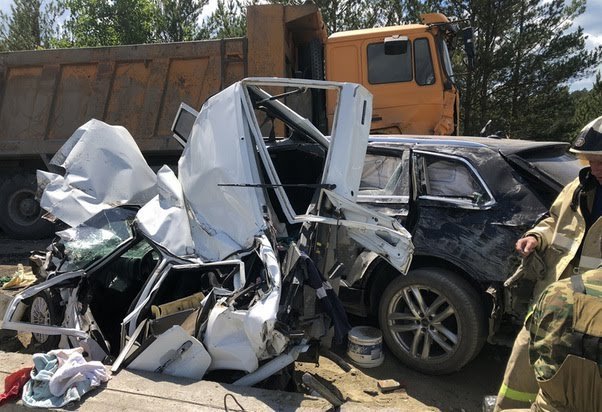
(569,238)
(569,243)
(565,330)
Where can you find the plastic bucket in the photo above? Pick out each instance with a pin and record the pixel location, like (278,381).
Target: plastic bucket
(365,346)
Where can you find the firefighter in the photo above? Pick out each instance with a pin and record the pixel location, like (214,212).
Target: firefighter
(565,330)
(569,243)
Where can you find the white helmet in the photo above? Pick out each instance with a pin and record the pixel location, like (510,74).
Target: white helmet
(589,140)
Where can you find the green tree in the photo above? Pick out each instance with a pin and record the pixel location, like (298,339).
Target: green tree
(228,20)
(30,25)
(111,22)
(527,54)
(177,19)
(340,15)
(588,104)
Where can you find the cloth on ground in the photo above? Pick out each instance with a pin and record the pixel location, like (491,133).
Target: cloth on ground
(20,278)
(13,385)
(60,377)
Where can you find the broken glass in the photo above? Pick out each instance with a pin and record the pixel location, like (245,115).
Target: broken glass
(96,238)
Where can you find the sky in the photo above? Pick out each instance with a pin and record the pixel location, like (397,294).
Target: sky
(590,21)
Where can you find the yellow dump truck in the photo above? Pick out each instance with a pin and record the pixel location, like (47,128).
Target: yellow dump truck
(45,95)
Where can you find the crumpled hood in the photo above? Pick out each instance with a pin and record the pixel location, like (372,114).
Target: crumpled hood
(191,215)
(104,168)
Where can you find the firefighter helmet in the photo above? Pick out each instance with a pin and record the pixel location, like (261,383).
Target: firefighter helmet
(589,140)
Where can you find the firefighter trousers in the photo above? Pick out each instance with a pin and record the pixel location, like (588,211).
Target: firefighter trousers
(519,387)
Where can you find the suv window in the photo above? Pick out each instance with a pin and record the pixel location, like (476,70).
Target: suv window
(562,168)
(388,69)
(450,177)
(425,74)
(380,175)
(384,175)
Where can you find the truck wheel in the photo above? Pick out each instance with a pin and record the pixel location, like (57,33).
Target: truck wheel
(45,309)
(20,212)
(432,320)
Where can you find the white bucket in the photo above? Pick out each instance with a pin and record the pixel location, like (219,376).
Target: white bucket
(365,347)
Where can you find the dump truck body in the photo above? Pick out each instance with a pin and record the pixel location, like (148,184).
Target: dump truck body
(48,94)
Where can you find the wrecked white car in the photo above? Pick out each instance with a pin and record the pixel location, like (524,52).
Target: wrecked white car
(228,266)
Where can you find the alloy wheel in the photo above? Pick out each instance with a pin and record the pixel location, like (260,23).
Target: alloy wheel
(40,315)
(424,323)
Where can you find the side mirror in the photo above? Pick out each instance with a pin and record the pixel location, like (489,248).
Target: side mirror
(468,38)
(396,45)
(182,124)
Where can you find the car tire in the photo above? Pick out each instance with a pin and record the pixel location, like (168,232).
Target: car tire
(20,212)
(45,309)
(439,335)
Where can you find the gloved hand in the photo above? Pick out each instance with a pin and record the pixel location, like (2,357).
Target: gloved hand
(531,268)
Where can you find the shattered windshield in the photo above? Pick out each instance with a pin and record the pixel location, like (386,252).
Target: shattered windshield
(95,238)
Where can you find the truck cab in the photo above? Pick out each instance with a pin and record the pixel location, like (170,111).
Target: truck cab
(413,87)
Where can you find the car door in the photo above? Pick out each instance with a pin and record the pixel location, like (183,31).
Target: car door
(457,216)
(342,171)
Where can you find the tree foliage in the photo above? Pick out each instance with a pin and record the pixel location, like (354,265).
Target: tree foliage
(340,15)
(227,20)
(111,22)
(30,25)
(527,55)
(588,104)
(178,19)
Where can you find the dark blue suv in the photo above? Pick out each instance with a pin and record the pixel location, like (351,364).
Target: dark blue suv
(465,201)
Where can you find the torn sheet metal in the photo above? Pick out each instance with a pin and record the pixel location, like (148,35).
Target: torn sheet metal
(273,366)
(375,231)
(174,353)
(346,148)
(104,168)
(239,339)
(226,219)
(164,219)
(227,342)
